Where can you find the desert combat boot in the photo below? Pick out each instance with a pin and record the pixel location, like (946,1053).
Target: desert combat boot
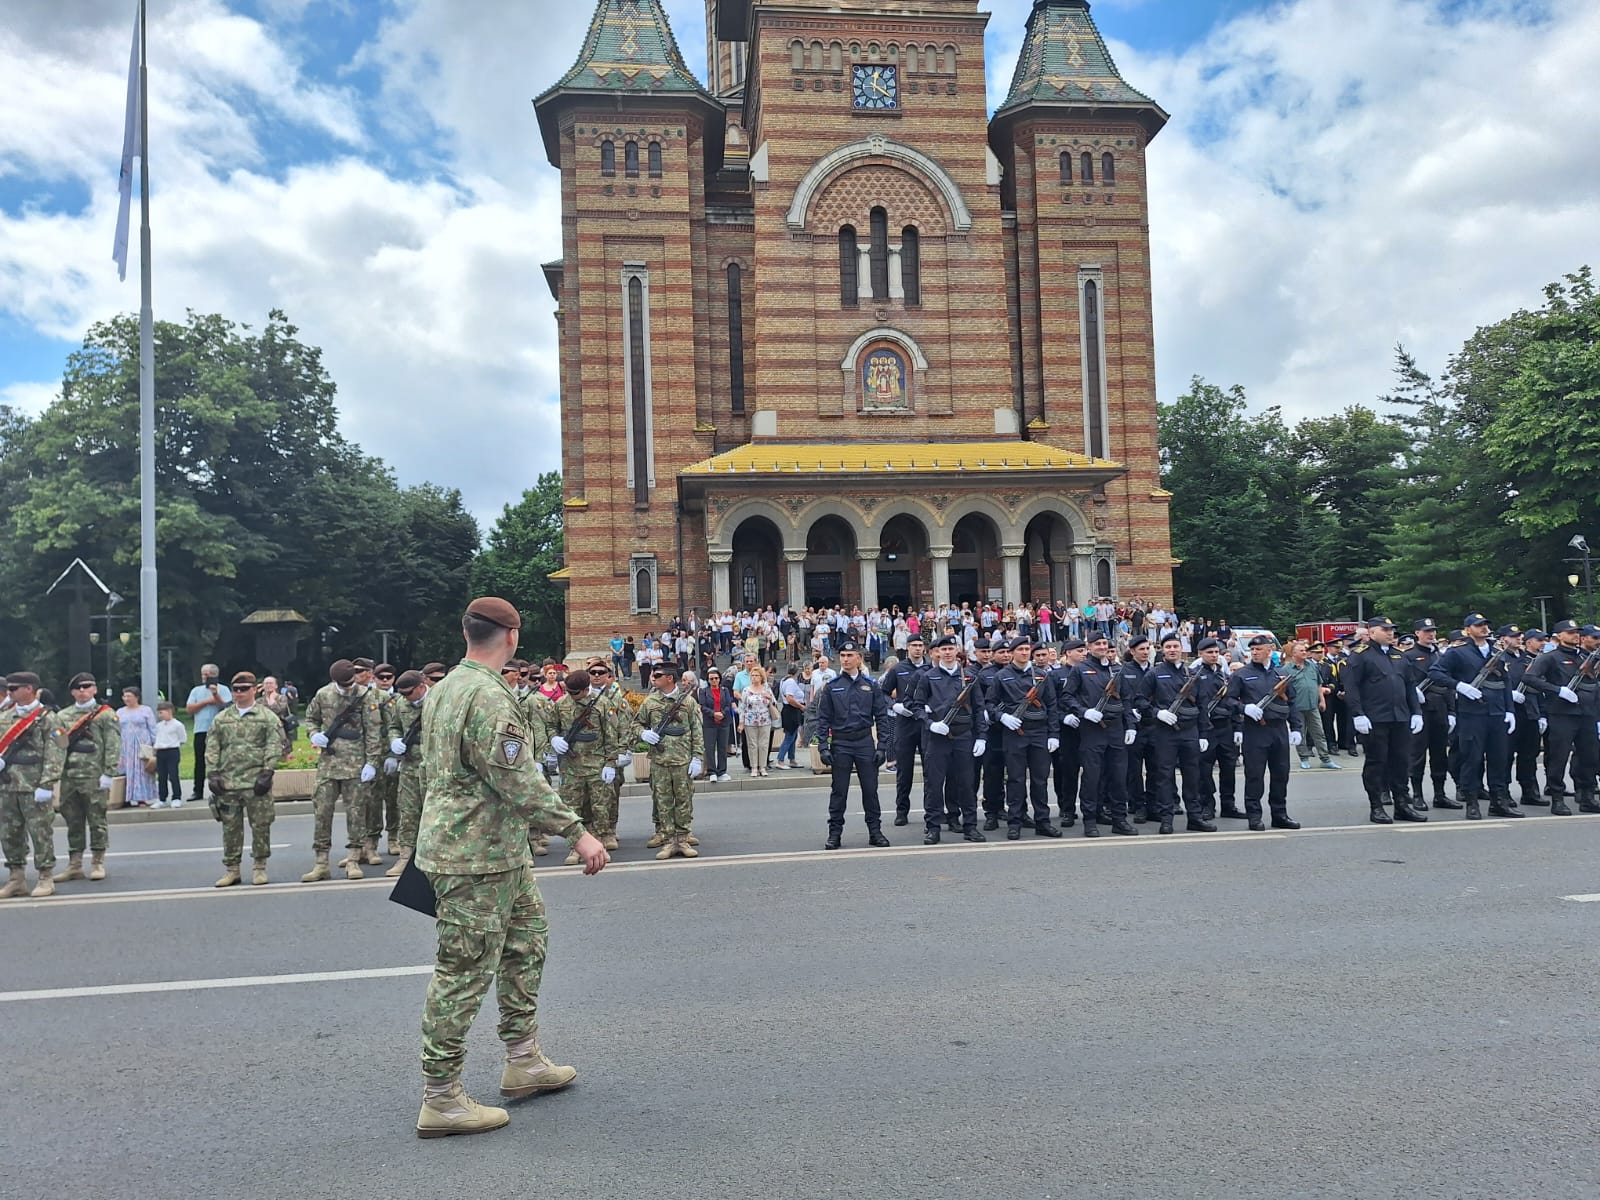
(258,873)
(448,1110)
(74,867)
(529,1072)
(230,876)
(17,885)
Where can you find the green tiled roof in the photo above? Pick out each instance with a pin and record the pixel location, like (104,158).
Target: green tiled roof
(629,48)
(1064,60)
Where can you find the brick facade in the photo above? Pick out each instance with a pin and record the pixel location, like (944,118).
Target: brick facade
(981,343)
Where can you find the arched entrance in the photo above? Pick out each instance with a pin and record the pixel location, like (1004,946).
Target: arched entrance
(975,565)
(830,560)
(1047,559)
(756,570)
(902,559)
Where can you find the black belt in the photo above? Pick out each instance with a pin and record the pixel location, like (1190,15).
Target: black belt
(586,736)
(850,733)
(24,760)
(674,731)
(1493,687)
(1277,711)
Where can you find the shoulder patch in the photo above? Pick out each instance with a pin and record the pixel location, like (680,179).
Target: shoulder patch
(1361,649)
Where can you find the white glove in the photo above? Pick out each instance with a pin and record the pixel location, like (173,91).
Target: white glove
(979,748)
(1295,737)
(1452,725)
(2,763)
(608,773)
(1051,745)
(1011,722)
(1544,725)
(1254,712)
(105,783)
(1364,725)
(624,759)
(1093,714)
(900,710)
(694,767)
(1204,745)
(1470,692)
(368,773)
(43,795)
(539,767)
(1422,696)
(391,765)
(1130,737)
(1519,697)
(1166,718)
(940,728)
(397,747)
(1071,721)
(651,737)
(1416,723)
(1238,739)
(560,744)
(319,740)
(1511,722)
(1567,694)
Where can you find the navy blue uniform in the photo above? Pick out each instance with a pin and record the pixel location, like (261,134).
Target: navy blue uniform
(1065,767)
(947,758)
(1027,756)
(993,763)
(1175,748)
(1430,749)
(1141,755)
(1526,740)
(1266,742)
(1480,724)
(1222,711)
(850,711)
(1102,790)
(1378,686)
(900,686)
(1572,724)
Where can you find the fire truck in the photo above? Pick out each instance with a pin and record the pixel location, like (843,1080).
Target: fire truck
(1324,631)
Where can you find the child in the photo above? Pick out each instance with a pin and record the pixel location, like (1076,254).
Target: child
(170,736)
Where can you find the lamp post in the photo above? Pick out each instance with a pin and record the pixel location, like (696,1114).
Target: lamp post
(1544,616)
(1361,612)
(385,634)
(1581,545)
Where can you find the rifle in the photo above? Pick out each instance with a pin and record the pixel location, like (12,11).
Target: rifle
(1278,693)
(338,722)
(1218,698)
(960,699)
(1031,698)
(1495,660)
(1113,685)
(671,713)
(1587,670)
(580,721)
(1184,692)
(413,734)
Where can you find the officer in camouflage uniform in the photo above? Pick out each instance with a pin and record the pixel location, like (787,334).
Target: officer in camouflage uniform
(536,709)
(386,787)
(349,761)
(26,780)
(87,742)
(405,748)
(621,712)
(242,753)
(669,723)
(588,759)
(483,793)
(372,792)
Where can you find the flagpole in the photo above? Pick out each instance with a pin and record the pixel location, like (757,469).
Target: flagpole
(149,625)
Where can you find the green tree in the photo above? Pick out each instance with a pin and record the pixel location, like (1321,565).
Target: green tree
(525,546)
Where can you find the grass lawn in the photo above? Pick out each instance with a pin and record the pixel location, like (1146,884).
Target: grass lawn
(302,755)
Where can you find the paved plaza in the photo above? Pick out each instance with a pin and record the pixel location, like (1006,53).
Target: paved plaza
(1346,1011)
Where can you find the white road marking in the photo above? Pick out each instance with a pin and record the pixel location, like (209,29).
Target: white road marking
(188,850)
(202,985)
(1585,898)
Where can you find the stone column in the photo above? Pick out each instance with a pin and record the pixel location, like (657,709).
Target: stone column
(795,561)
(721,586)
(1083,573)
(941,573)
(864,271)
(869,578)
(897,286)
(1060,580)
(1011,574)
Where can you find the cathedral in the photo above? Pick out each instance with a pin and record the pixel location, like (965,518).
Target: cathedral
(830,332)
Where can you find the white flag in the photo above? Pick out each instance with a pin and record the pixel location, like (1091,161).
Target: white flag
(131,149)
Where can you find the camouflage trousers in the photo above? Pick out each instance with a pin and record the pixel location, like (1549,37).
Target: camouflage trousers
(489,927)
(588,795)
(83,803)
(385,806)
(356,796)
(672,796)
(409,798)
(22,821)
(235,806)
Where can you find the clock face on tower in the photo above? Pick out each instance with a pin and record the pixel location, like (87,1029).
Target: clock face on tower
(875,85)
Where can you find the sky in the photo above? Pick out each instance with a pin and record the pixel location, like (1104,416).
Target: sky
(1337,178)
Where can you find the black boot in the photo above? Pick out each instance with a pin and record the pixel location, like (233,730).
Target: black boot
(902,818)
(931,838)
(1440,800)
(1532,797)
(1378,816)
(1090,829)
(833,843)
(1474,813)
(1069,818)
(1558,807)
(1284,821)
(1013,833)
(875,838)
(953,824)
(1140,816)
(1417,803)
(1232,813)
(1123,826)
(1404,811)
(972,835)
(991,823)
(1027,822)
(1586,801)
(1166,826)
(1045,829)
(1502,805)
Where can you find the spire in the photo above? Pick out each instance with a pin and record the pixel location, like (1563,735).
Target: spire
(629,48)
(1064,62)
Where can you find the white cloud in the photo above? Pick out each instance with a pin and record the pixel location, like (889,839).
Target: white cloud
(29,398)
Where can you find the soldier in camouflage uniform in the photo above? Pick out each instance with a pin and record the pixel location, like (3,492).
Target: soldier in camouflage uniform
(373,791)
(349,761)
(616,699)
(405,749)
(86,742)
(588,759)
(483,793)
(670,725)
(537,709)
(242,754)
(26,812)
(386,787)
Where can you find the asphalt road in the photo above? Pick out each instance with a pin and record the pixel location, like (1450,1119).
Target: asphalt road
(1347,1011)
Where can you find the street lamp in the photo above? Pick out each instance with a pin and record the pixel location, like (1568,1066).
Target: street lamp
(1581,545)
(1544,616)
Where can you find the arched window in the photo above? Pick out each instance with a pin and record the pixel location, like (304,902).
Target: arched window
(638,397)
(836,56)
(849,282)
(630,160)
(736,336)
(879,255)
(816,56)
(1086,167)
(1102,577)
(797,55)
(1108,168)
(911,264)
(644,591)
(608,157)
(749,590)
(949,60)
(1093,383)
(655,160)
(1066,166)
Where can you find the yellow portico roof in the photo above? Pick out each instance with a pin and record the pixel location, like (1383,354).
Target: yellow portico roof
(918,458)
